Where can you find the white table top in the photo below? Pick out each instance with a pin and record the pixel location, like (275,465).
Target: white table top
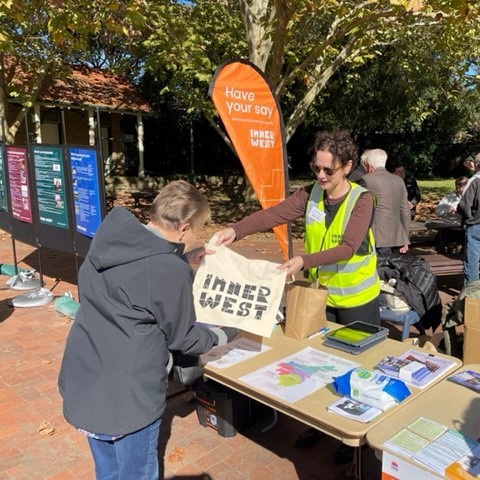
(311,410)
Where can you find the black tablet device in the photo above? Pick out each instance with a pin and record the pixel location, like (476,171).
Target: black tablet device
(345,347)
(358,334)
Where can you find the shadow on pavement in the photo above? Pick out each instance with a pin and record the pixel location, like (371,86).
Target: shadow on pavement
(5,310)
(55,264)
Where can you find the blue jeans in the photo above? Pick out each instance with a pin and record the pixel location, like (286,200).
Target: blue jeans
(471,253)
(132,457)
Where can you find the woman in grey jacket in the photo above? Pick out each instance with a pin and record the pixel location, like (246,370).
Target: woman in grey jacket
(136,304)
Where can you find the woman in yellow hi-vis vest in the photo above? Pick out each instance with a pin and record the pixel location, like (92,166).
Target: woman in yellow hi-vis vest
(339,244)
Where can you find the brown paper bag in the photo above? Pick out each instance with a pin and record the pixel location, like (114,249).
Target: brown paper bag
(305,308)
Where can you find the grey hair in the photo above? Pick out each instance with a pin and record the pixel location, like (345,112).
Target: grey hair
(376,158)
(179,202)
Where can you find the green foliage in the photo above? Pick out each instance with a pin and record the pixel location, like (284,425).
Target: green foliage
(38,36)
(303,45)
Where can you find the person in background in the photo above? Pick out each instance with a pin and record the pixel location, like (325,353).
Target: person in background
(469,209)
(449,224)
(339,243)
(446,209)
(391,218)
(136,304)
(356,174)
(413,191)
(469,164)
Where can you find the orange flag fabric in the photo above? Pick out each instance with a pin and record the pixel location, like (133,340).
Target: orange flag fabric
(253,121)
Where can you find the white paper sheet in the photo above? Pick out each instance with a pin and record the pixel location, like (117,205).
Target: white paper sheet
(234,352)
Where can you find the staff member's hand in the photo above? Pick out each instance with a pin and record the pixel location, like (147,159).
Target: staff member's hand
(292,266)
(225,236)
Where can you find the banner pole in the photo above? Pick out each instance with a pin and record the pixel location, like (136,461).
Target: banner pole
(65,159)
(32,174)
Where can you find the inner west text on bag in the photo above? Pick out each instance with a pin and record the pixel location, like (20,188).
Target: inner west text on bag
(233,297)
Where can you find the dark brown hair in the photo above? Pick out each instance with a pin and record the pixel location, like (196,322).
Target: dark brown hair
(339,143)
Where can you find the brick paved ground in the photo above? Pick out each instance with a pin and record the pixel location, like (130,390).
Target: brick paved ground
(36,442)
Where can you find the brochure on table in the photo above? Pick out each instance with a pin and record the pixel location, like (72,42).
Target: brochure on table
(430,444)
(298,375)
(467,378)
(416,368)
(358,411)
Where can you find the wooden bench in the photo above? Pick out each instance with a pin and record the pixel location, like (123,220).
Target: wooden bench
(448,238)
(138,196)
(442,265)
(416,227)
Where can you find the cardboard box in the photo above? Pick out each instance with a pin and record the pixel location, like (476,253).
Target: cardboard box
(471,339)
(396,468)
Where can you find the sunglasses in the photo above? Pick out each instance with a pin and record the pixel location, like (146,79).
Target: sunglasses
(326,170)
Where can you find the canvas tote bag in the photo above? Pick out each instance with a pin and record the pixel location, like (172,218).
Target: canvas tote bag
(305,308)
(233,291)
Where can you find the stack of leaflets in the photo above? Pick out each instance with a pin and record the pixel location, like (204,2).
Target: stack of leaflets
(416,368)
(360,412)
(467,378)
(431,444)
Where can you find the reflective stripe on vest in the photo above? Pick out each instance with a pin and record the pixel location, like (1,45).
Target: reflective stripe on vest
(351,282)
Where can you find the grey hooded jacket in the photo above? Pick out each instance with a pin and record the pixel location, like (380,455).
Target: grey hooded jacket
(136,303)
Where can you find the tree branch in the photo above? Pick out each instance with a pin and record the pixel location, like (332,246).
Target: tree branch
(299,113)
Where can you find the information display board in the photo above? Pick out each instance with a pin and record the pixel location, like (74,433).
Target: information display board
(86,189)
(18,176)
(52,195)
(19,184)
(50,185)
(52,215)
(3,184)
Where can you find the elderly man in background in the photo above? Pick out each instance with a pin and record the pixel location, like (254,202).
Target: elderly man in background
(391,218)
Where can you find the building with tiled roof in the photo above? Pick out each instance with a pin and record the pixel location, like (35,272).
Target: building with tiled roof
(89,87)
(89,107)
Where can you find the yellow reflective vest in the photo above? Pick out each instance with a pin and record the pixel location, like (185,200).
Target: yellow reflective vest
(351,282)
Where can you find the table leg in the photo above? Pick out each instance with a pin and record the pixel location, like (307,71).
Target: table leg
(357,461)
(268,427)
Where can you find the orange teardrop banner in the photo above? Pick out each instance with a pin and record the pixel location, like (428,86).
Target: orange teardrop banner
(252,118)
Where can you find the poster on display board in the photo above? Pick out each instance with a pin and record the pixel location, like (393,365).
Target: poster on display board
(86,189)
(18,182)
(3,185)
(50,185)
